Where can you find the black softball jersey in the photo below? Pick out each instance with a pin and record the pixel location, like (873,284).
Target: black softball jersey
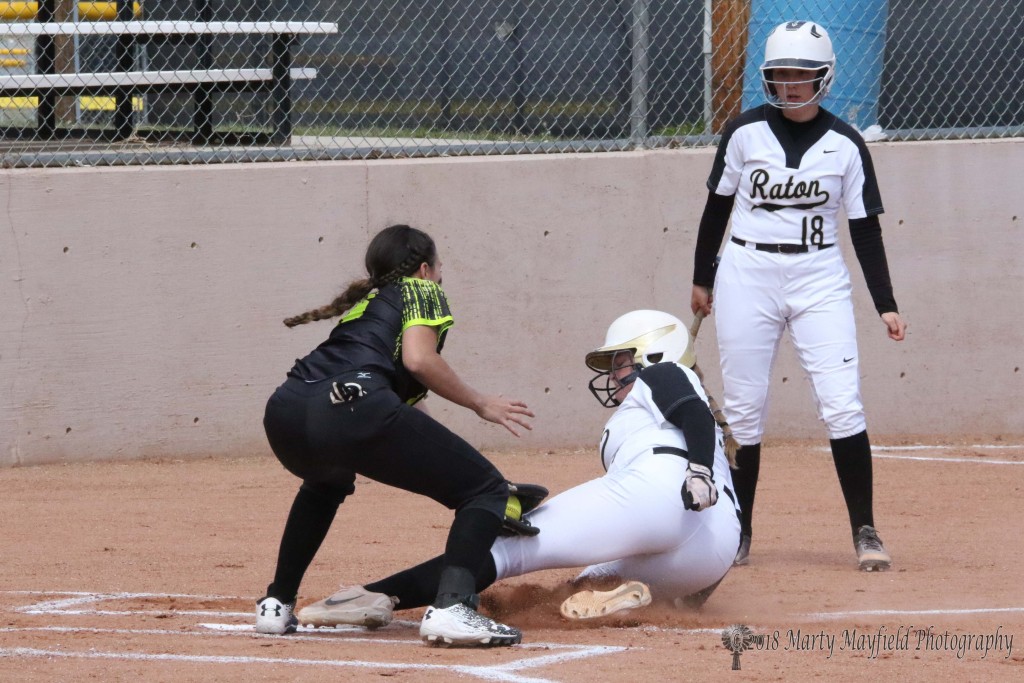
(369,336)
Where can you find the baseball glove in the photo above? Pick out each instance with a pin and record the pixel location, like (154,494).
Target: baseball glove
(522,499)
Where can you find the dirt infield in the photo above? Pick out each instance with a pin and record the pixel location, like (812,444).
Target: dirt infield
(148,571)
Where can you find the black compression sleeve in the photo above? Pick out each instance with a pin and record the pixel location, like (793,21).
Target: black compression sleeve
(698,426)
(866,235)
(679,403)
(709,237)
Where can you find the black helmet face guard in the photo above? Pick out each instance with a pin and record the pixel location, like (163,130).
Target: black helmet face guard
(605,385)
(819,76)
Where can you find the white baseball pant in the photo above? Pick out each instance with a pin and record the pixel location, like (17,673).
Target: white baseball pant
(631,524)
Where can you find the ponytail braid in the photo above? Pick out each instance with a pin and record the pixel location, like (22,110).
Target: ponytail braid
(344,301)
(411,262)
(409,246)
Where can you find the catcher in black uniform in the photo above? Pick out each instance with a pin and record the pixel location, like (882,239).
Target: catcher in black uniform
(347,408)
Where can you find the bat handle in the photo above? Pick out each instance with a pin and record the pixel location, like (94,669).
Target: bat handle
(698,318)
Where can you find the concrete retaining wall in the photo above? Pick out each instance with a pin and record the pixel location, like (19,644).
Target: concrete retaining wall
(141,309)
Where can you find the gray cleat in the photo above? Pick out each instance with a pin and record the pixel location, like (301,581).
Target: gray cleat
(350,606)
(871,554)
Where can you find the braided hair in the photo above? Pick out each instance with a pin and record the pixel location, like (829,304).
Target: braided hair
(395,252)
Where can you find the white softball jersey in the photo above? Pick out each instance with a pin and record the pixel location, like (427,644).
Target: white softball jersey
(631,523)
(790,191)
(789,186)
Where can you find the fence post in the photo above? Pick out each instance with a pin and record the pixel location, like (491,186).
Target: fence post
(202,115)
(124,55)
(442,38)
(621,64)
(281,94)
(46,57)
(728,36)
(511,32)
(518,77)
(639,59)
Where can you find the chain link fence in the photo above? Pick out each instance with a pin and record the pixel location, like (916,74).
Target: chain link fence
(201,81)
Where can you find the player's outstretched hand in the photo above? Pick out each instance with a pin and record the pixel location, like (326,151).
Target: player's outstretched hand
(699,492)
(894,322)
(506,412)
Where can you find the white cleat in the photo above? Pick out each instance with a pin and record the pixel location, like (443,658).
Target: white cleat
(275,617)
(591,604)
(461,626)
(350,606)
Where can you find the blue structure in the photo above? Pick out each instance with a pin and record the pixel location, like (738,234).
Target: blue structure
(857,29)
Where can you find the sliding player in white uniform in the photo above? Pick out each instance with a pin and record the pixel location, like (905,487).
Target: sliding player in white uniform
(783,172)
(662,518)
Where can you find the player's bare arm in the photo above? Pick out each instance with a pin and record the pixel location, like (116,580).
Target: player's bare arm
(421,359)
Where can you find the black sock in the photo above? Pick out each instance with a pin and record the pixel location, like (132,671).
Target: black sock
(418,586)
(852,456)
(308,523)
(467,550)
(414,587)
(457,584)
(744,478)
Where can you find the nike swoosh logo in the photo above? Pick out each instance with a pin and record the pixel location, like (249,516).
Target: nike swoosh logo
(829,151)
(847,360)
(332,603)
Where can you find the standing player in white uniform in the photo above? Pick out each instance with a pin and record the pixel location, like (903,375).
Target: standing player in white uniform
(654,519)
(783,172)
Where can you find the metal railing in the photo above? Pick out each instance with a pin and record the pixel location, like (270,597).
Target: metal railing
(458,77)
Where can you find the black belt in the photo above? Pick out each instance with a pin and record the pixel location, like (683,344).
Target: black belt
(781,248)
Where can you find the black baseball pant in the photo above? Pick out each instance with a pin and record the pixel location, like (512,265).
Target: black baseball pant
(327,442)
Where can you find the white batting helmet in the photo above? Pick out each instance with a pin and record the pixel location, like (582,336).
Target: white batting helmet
(651,336)
(798,45)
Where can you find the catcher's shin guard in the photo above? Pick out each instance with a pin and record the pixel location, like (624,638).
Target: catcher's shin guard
(522,499)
